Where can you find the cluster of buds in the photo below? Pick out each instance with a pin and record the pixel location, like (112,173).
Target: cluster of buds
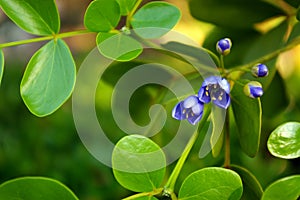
(216,89)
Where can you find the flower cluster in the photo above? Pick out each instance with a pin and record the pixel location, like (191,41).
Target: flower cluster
(214,89)
(254,89)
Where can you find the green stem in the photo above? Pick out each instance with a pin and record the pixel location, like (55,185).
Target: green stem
(129,16)
(265,58)
(214,56)
(285,7)
(227,142)
(144,194)
(170,185)
(45,38)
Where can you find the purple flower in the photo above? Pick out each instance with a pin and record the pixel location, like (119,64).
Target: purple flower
(223,46)
(190,108)
(260,70)
(215,89)
(253,89)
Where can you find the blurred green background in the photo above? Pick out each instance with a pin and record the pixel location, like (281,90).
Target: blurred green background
(50,146)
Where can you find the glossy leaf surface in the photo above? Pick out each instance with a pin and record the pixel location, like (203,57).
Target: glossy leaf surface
(33,16)
(211,183)
(247,114)
(287,188)
(155,19)
(118,46)
(35,188)
(49,78)
(102,15)
(284,141)
(138,163)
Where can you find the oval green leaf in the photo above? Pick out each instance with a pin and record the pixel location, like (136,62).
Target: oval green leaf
(33,16)
(155,19)
(251,187)
(118,47)
(233,13)
(35,188)
(138,163)
(102,15)
(49,78)
(1,65)
(126,6)
(287,188)
(247,114)
(211,183)
(284,141)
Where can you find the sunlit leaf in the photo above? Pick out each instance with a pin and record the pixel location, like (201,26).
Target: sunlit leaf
(49,78)
(138,163)
(118,47)
(35,188)
(247,114)
(251,187)
(287,188)
(33,16)
(102,15)
(212,183)
(284,141)
(155,19)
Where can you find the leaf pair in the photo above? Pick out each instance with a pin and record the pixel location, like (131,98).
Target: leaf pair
(50,74)
(151,21)
(139,165)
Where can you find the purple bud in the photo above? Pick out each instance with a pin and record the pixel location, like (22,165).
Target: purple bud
(223,46)
(260,70)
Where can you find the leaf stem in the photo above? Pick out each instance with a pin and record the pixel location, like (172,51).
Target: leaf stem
(265,58)
(170,185)
(144,194)
(227,141)
(44,38)
(129,16)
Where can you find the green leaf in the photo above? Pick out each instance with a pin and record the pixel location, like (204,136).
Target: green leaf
(298,14)
(217,135)
(102,15)
(232,13)
(1,64)
(247,114)
(118,47)
(126,6)
(295,32)
(35,188)
(270,99)
(49,78)
(33,16)
(211,183)
(284,141)
(251,187)
(138,163)
(155,19)
(264,45)
(287,188)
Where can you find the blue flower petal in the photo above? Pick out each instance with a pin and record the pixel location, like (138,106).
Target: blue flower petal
(177,112)
(204,95)
(222,101)
(256,91)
